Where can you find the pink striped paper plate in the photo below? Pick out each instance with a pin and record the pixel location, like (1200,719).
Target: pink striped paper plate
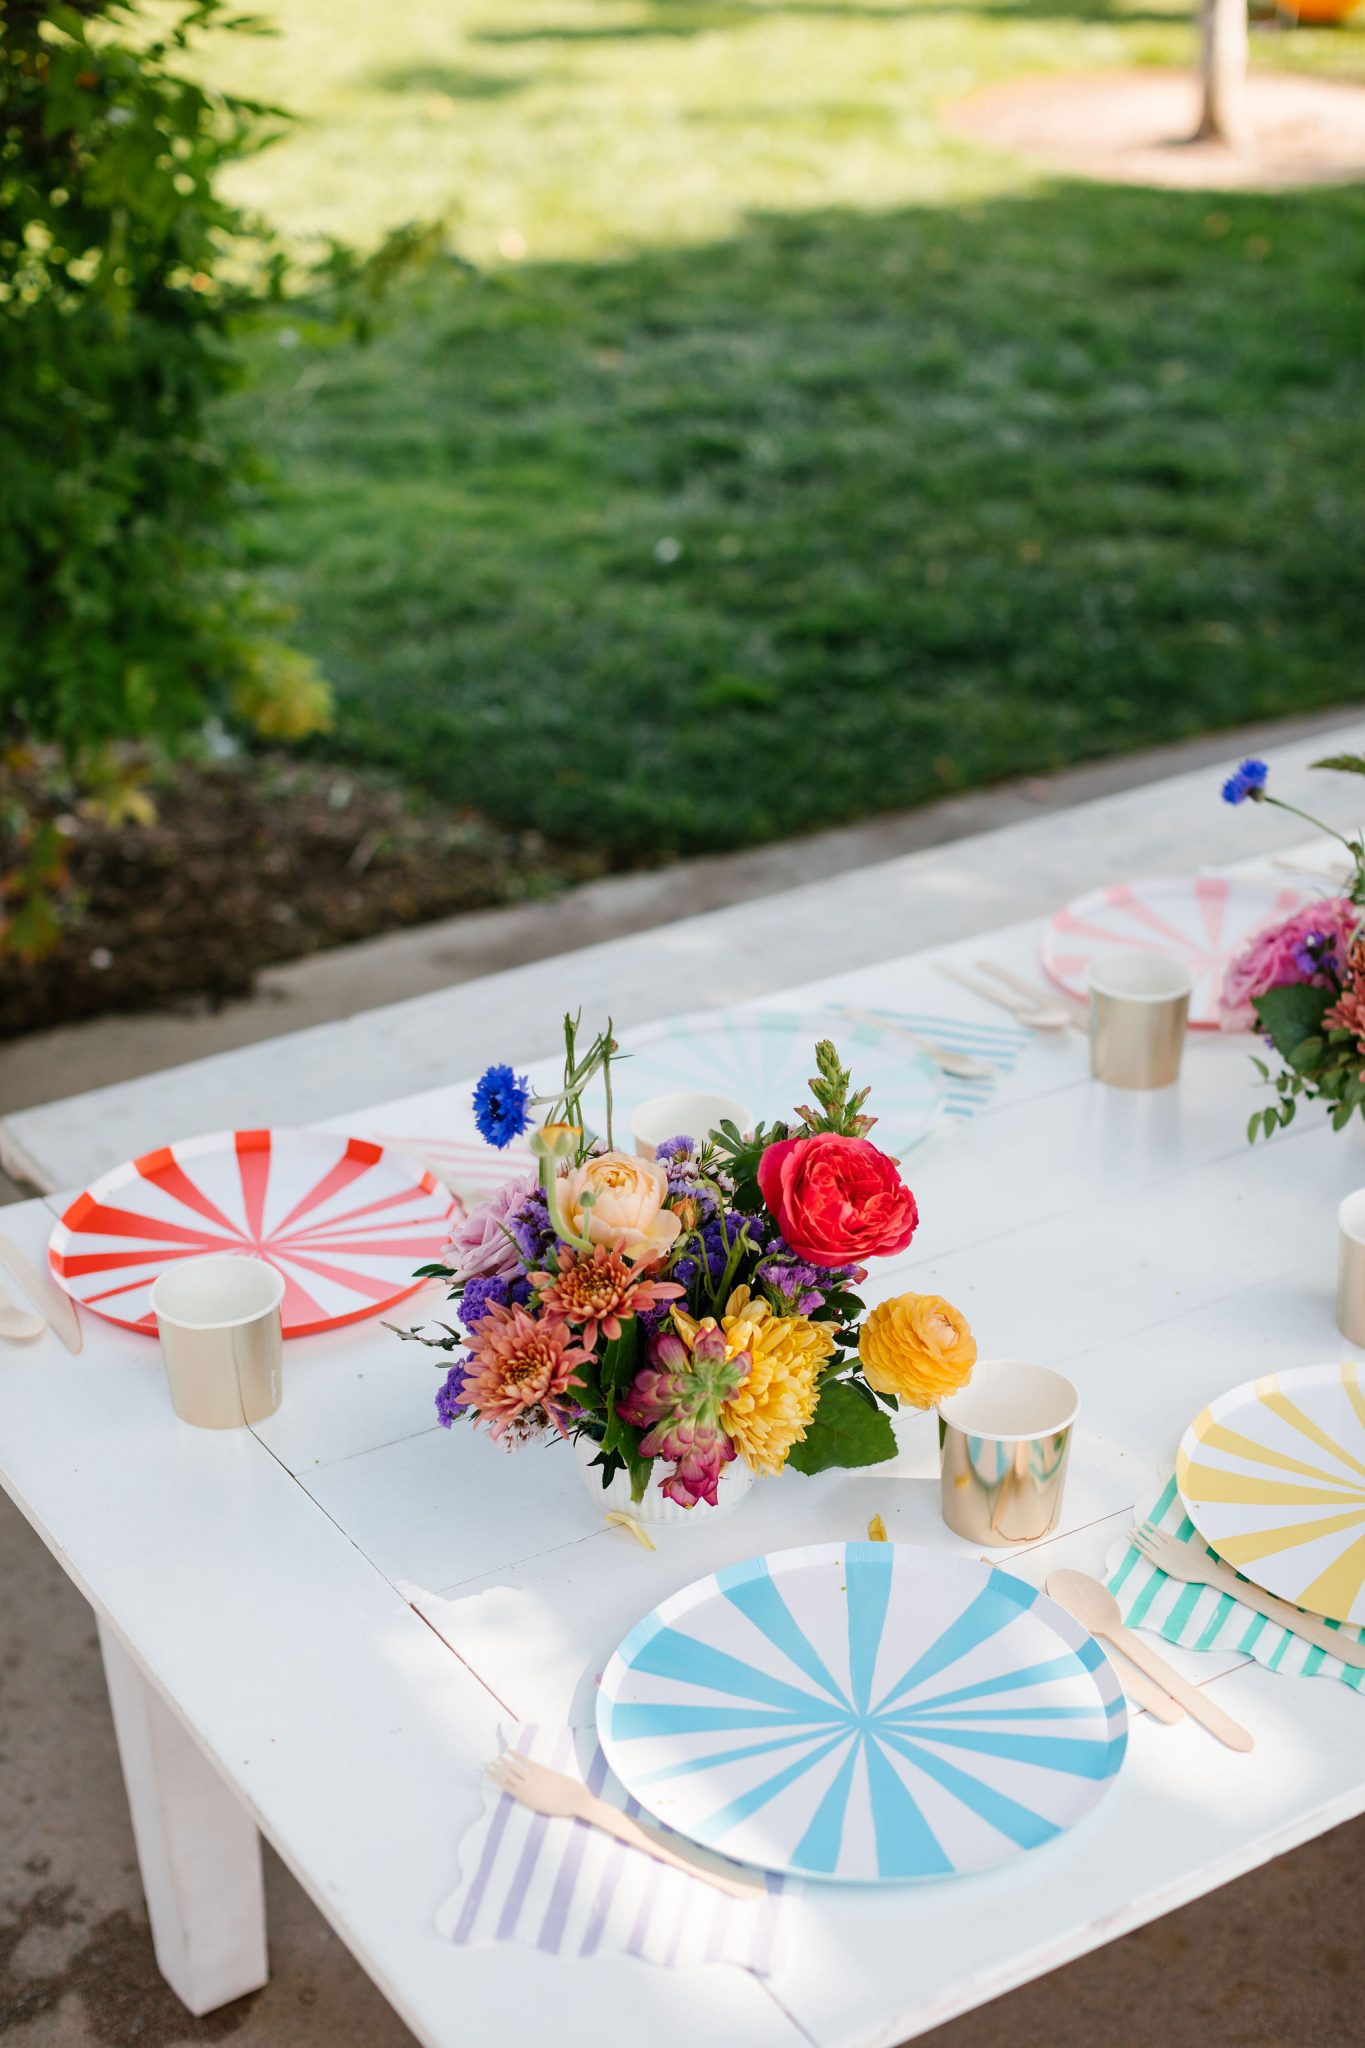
(1203,920)
(343,1220)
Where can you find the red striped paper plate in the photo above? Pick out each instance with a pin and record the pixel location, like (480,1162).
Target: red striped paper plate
(1202,920)
(343,1220)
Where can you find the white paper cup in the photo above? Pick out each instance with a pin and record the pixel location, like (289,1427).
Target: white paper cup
(1004,1441)
(689,1114)
(222,1343)
(1351,1268)
(1139,1014)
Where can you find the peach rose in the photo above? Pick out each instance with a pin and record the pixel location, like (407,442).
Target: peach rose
(917,1347)
(619,1201)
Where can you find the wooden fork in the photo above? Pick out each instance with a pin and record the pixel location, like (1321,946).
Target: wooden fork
(564,1798)
(1201,1568)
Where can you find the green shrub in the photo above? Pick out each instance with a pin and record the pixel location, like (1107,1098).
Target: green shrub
(123,612)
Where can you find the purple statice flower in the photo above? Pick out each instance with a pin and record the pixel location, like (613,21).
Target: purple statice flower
(502,1105)
(531,1229)
(677,1148)
(485,1291)
(1316,953)
(797,1287)
(450,1396)
(1248,780)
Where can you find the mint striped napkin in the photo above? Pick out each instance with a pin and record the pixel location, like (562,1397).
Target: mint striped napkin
(1202,1618)
(570,1890)
(995,1045)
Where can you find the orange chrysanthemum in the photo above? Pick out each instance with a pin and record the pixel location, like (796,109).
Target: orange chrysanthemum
(599,1290)
(521,1368)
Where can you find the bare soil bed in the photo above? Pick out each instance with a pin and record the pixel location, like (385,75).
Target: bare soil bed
(1136,128)
(254,861)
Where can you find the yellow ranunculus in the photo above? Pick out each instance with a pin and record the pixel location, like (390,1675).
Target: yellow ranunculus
(770,1412)
(917,1347)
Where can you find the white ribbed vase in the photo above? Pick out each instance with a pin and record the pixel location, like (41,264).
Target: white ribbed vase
(734,1483)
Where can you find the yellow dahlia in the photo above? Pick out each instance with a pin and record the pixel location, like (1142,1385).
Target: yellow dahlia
(770,1411)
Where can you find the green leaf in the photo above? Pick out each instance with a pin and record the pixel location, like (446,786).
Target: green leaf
(1346,764)
(1293,1014)
(844,1431)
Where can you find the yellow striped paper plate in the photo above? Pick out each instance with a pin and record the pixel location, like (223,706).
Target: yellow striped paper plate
(1273,1477)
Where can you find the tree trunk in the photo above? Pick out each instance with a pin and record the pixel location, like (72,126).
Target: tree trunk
(1223,72)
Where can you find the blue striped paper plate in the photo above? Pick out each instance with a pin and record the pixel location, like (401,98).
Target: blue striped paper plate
(765,1058)
(863,1712)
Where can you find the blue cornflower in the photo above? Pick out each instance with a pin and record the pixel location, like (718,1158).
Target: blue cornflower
(1247,781)
(450,1396)
(484,1291)
(502,1105)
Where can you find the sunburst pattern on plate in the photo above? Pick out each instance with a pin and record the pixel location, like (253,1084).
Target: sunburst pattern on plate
(1273,1477)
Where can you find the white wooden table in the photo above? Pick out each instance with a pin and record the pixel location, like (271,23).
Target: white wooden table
(315,1628)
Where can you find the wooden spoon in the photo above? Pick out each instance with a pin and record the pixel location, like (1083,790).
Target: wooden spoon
(1095,1607)
(16,1323)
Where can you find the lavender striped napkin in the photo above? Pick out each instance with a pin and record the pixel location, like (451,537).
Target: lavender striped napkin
(570,1890)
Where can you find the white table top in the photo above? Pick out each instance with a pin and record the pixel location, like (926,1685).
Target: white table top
(293,1591)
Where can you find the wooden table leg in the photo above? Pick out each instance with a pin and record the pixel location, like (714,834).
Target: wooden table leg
(197,1847)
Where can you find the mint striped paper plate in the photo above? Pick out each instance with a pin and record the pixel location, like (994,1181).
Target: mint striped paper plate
(765,1058)
(863,1712)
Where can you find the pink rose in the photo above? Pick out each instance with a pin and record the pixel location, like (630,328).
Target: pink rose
(837,1200)
(482,1244)
(1273,956)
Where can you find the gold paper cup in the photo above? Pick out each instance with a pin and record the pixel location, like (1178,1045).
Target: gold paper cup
(1351,1268)
(690,1113)
(221,1340)
(1003,1447)
(1139,1013)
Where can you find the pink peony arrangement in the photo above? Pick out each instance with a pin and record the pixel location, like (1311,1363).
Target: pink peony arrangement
(1282,953)
(1301,982)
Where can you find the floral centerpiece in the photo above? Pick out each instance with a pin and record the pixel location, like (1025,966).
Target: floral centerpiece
(1301,981)
(683,1312)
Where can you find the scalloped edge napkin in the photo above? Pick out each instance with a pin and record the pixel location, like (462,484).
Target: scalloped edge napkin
(568,1889)
(1202,1618)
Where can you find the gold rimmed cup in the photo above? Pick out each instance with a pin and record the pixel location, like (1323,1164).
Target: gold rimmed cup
(689,1113)
(222,1342)
(1004,1441)
(1351,1268)
(1139,1015)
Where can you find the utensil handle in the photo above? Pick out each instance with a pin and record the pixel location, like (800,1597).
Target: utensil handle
(1307,1627)
(55,1306)
(1036,996)
(985,991)
(1189,1696)
(613,1822)
(1158,1703)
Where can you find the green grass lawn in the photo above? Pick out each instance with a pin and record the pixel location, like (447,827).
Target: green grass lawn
(788,459)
